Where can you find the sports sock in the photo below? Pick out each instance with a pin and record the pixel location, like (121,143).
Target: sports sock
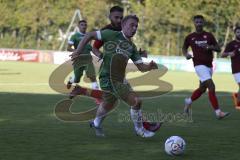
(136,116)
(71,79)
(196,94)
(95,85)
(213,99)
(100,115)
(90,92)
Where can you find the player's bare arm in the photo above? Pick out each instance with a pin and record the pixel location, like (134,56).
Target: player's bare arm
(185,52)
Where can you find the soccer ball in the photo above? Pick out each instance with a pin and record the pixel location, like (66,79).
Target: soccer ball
(175,146)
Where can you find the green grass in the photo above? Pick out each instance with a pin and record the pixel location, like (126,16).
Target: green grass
(29,129)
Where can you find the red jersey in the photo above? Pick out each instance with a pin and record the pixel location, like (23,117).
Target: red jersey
(234,46)
(201,56)
(98,44)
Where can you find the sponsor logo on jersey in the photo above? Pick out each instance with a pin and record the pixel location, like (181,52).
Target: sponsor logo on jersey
(201,42)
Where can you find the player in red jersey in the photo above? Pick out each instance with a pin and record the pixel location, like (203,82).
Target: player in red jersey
(115,17)
(233,50)
(202,44)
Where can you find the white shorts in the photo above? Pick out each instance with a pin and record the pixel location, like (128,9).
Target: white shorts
(204,73)
(237,77)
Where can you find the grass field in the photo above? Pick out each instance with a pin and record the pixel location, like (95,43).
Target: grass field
(30,131)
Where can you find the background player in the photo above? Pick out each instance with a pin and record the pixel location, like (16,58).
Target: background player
(115,17)
(202,44)
(233,50)
(78,71)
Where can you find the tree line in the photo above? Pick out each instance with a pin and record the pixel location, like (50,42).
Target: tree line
(163,24)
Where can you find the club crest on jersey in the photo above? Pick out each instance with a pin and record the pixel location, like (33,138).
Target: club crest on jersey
(205,36)
(124,47)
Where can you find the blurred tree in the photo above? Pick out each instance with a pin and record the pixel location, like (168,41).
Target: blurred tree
(163,23)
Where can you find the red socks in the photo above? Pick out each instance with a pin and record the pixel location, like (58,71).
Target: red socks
(96,94)
(90,92)
(196,94)
(213,99)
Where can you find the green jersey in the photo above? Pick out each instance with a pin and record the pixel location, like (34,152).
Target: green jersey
(76,38)
(117,50)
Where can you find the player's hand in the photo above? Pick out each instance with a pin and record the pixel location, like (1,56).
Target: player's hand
(188,56)
(153,65)
(74,56)
(143,53)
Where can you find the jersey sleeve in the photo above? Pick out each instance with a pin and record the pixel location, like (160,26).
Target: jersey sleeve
(213,40)
(229,48)
(135,57)
(71,40)
(186,42)
(105,35)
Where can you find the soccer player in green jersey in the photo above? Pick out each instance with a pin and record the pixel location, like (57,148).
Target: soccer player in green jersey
(89,69)
(117,50)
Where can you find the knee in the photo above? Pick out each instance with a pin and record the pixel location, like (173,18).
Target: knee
(202,89)
(211,87)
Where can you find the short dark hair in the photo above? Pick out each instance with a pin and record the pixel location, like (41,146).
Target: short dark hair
(129,17)
(116,8)
(82,21)
(198,16)
(236,28)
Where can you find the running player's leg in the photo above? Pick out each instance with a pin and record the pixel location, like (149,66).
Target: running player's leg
(213,99)
(125,92)
(91,74)
(95,92)
(135,103)
(195,95)
(203,73)
(109,102)
(78,72)
(236,96)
